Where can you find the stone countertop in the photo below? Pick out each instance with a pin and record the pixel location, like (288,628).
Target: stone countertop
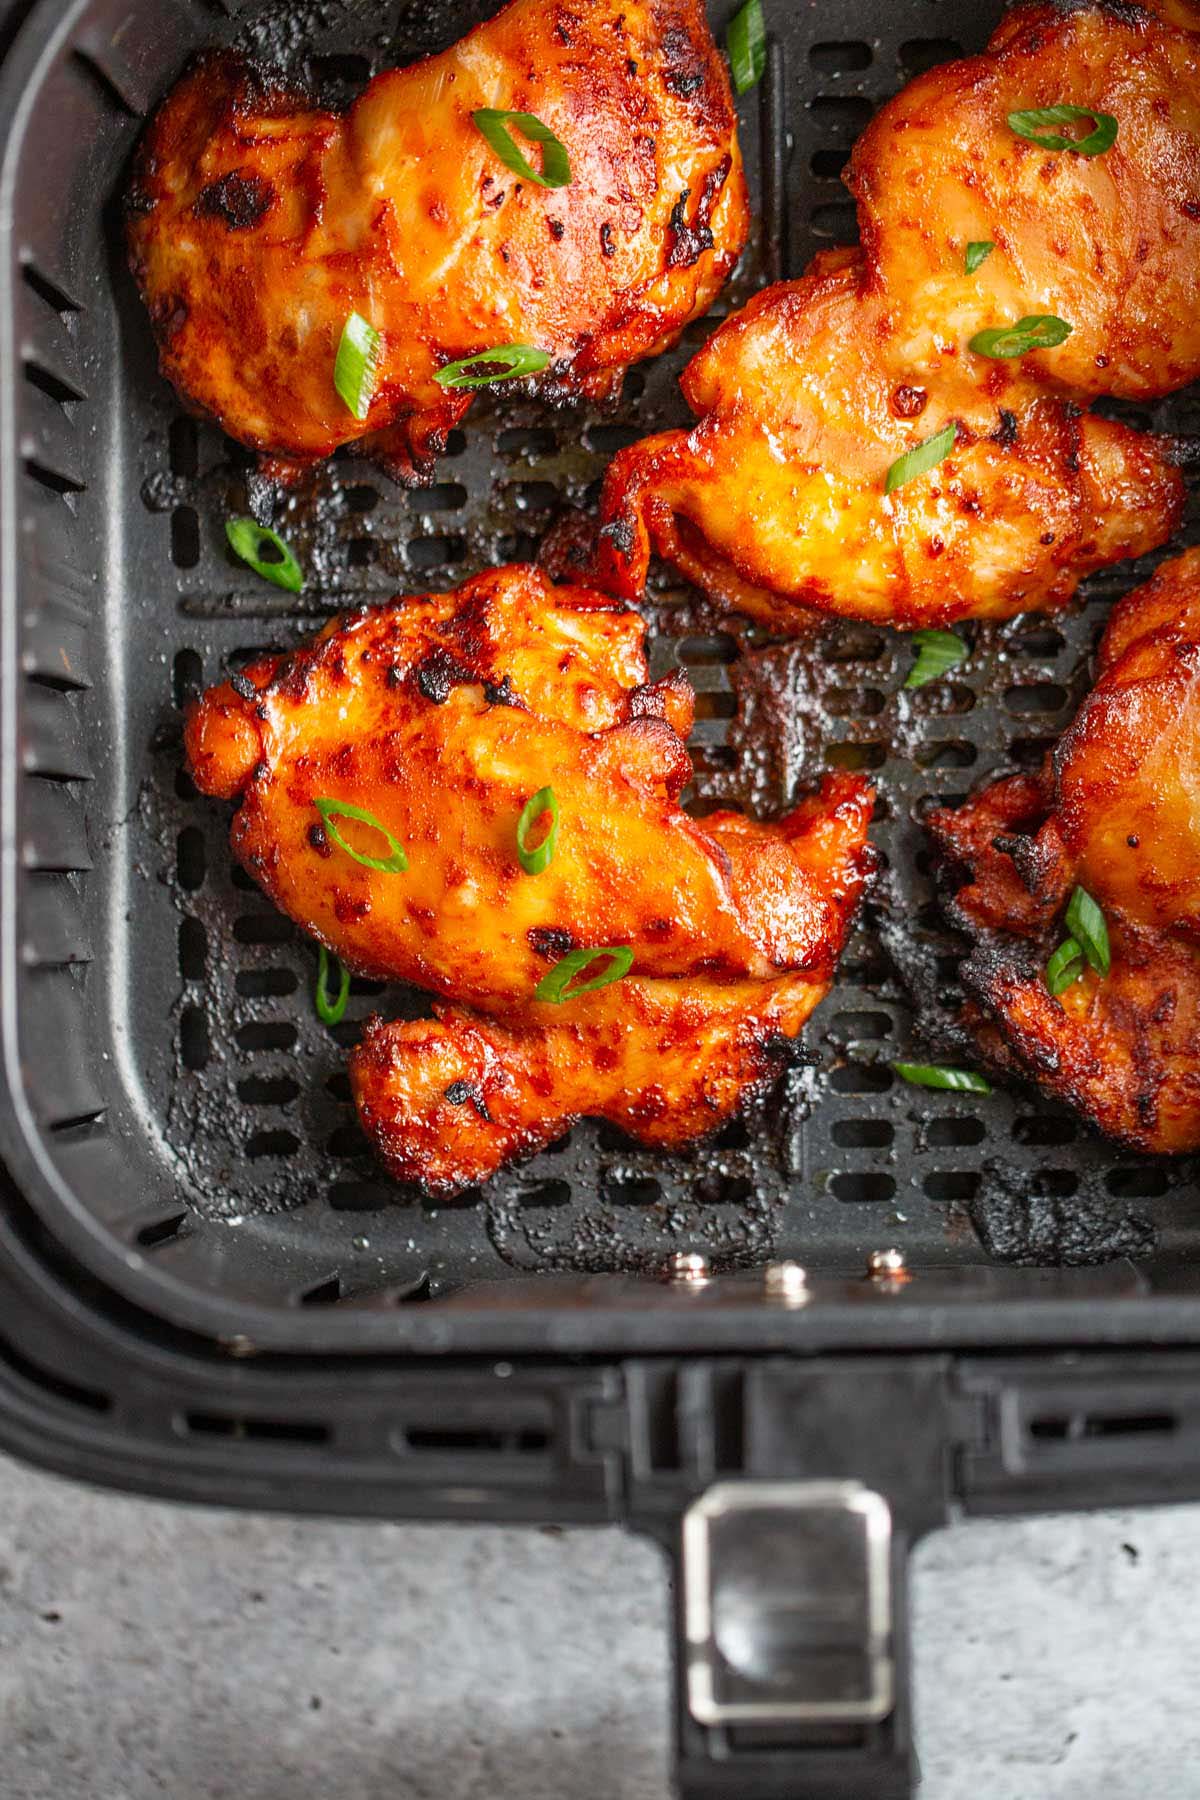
(149,1651)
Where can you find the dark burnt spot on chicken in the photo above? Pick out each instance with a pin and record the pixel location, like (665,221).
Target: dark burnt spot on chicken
(501,693)
(687,241)
(319,839)
(608,245)
(240,201)
(439,673)
(244,689)
(685,67)
(550,941)
(462,1093)
(909,402)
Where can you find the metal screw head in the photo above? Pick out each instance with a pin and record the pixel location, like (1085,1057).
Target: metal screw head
(688,1269)
(785,1281)
(884,1265)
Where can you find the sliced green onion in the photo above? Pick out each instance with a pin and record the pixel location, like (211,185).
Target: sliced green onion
(330,1012)
(937,651)
(926,456)
(931,1076)
(355,367)
(1040,331)
(556,986)
(978,253)
(395,864)
(746,42)
(1086,924)
(540,857)
(248,539)
(1065,966)
(1101,138)
(504,360)
(556,164)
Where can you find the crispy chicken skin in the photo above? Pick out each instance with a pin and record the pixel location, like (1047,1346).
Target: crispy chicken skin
(257,224)
(442,716)
(775,502)
(1113,811)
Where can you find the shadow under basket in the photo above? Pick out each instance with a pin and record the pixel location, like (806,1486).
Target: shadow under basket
(211,1290)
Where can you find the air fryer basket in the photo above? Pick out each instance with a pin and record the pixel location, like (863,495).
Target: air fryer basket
(206,1289)
(181,1117)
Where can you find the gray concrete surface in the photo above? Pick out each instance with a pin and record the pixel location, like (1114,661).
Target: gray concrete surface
(147,1651)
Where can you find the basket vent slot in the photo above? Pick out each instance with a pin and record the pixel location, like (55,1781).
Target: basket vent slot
(74,1393)
(1060,1427)
(251,1430)
(162,1231)
(848,58)
(524,1440)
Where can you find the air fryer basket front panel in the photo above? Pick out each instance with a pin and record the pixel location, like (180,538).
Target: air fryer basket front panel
(180,1118)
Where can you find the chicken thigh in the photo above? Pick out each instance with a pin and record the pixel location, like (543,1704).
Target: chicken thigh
(382,777)
(1114,813)
(259,223)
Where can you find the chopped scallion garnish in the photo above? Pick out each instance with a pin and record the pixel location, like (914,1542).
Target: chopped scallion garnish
(746,42)
(330,1012)
(1087,925)
(978,253)
(556,164)
(1040,331)
(266,553)
(501,363)
(929,1075)
(538,857)
(556,986)
(1065,966)
(395,864)
(937,651)
(1030,125)
(354,369)
(926,456)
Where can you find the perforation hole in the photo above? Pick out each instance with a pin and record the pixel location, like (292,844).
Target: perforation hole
(263,928)
(546,1193)
(268,1090)
(455,1438)
(955,1134)
(265,984)
(338,1087)
(947,753)
(856,757)
(339,71)
(842,117)
(185,537)
(195,1048)
(1044,1129)
(827,165)
(1035,697)
(862,1134)
(1055,1183)
(443,496)
(361,1196)
(187,676)
(708,652)
(836,219)
(857,1185)
(162,1231)
(1042,642)
(54,296)
(859,1026)
(193,949)
(361,552)
(276,1143)
(361,498)
(183,447)
(716,704)
(280,1431)
(840,58)
(530,441)
(278,1034)
(952,1184)
(942,698)
(630,1190)
(191,858)
(52,385)
(862,1078)
(919,54)
(1030,752)
(436,552)
(346,1142)
(857,702)
(607,439)
(852,643)
(324,1293)
(1142,1182)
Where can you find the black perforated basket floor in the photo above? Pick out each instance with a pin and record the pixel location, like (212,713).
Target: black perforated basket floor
(176,1103)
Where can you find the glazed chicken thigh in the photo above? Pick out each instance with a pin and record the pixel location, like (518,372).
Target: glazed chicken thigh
(871,442)
(441,720)
(1114,812)
(259,223)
